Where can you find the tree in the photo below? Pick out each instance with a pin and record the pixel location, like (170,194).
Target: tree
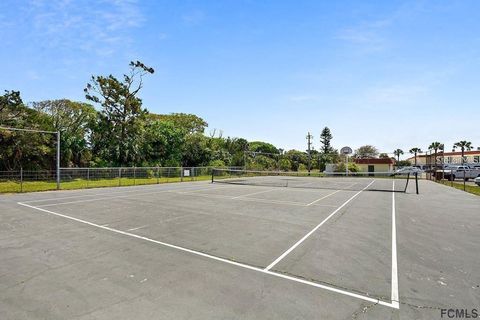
(415,151)
(162,144)
(22,149)
(398,153)
(11,106)
(383,156)
(190,123)
(367,151)
(74,120)
(463,145)
(435,146)
(122,117)
(195,151)
(265,147)
(326,149)
(325,139)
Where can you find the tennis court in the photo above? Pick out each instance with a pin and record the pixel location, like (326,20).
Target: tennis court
(245,247)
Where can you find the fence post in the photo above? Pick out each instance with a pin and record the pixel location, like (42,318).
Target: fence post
(181,174)
(21,179)
(119,176)
(88,176)
(158,175)
(134,176)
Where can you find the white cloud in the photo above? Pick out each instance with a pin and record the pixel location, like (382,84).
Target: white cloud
(99,27)
(193,18)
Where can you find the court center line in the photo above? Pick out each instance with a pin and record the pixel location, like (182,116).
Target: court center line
(259,200)
(137,228)
(324,197)
(395,295)
(205,255)
(280,258)
(253,193)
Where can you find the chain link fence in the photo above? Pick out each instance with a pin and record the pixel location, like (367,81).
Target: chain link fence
(82,178)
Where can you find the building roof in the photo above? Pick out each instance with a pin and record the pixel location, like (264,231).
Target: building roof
(374,161)
(447,154)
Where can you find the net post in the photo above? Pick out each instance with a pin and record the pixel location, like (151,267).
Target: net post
(134,176)
(406,184)
(21,179)
(119,176)
(416,182)
(58,160)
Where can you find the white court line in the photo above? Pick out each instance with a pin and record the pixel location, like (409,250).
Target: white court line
(116,197)
(110,193)
(259,200)
(271,265)
(133,229)
(253,193)
(395,296)
(238,264)
(324,197)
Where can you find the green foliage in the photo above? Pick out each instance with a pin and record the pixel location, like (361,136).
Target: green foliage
(195,151)
(352,167)
(325,138)
(190,123)
(265,147)
(74,121)
(367,151)
(120,125)
(162,144)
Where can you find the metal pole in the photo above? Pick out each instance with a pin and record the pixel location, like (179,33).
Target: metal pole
(21,179)
(88,176)
(346,164)
(58,160)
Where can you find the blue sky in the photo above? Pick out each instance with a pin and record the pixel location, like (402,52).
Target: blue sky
(387,73)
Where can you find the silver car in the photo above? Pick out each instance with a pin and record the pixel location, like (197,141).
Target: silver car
(477,181)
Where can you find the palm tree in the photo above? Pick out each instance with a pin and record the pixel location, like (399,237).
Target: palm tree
(463,145)
(398,153)
(415,151)
(436,146)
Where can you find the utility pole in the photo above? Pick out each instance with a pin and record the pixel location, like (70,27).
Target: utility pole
(309,143)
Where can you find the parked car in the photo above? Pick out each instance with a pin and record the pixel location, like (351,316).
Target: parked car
(477,181)
(458,172)
(411,170)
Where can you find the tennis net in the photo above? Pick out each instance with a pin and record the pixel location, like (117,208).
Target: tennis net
(354,181)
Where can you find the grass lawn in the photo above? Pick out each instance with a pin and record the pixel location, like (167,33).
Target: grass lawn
(31,186)
(468,188)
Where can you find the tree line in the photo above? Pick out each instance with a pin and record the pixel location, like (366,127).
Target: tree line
(115,129)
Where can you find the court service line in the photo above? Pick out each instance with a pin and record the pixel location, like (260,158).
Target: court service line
(280,258)
(116,197)
(205,255)
(324,197)
(395,295)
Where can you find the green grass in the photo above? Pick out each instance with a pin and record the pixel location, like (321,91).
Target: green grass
(32,186)
(468,188)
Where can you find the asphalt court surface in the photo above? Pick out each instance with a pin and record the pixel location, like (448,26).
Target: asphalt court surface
(228,251)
